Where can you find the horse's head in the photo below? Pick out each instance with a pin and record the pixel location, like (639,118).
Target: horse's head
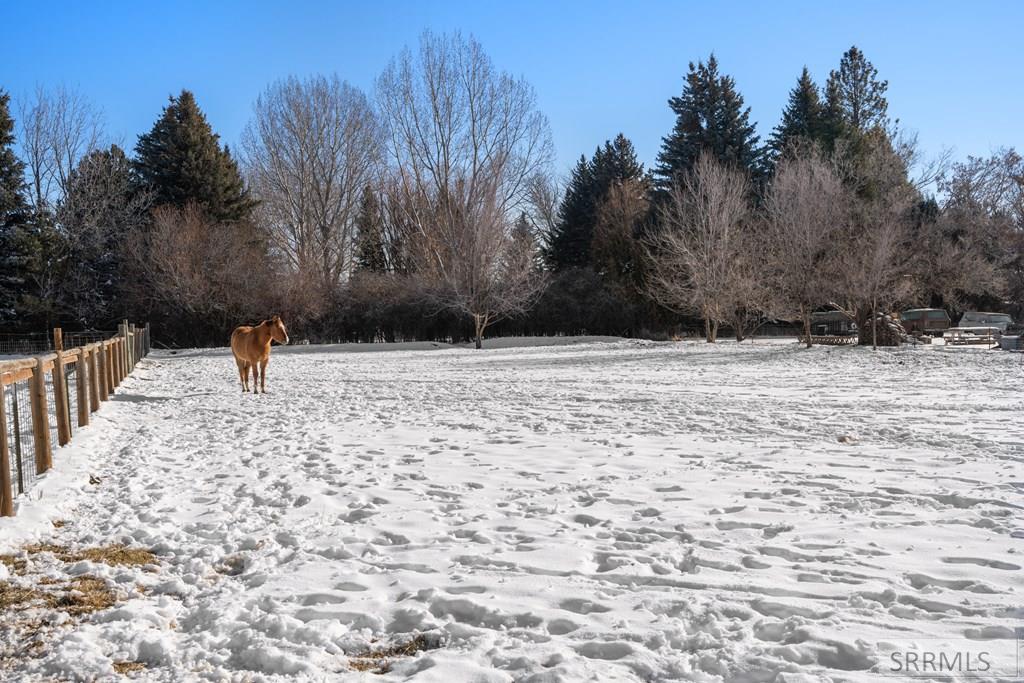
(277,331)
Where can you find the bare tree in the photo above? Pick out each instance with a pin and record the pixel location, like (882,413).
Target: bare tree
(806,209)
(201,275)
(465,142)
(875,269)
(311,149)
(615,249)
(543,199)
(58,128)
(983,219)
(702,260)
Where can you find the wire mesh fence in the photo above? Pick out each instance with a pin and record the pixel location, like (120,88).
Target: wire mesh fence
(82,338)
(17,407)
(47,399)
(51,410)
(25,344)
(71,391)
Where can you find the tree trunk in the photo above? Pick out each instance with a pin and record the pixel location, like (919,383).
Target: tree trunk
(874,324)
(710,330)
(806,316)
(480,322)
(738,330)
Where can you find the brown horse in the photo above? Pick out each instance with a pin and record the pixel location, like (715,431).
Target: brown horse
(250,346)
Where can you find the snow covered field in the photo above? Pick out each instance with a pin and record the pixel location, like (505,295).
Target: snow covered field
(610,511)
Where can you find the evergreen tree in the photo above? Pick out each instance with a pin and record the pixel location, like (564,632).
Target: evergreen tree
(802,117)
(710,116)
(13,214)
(569,243)
(370,253)
(181,160)
(31,250)
(855,98)
(97,215)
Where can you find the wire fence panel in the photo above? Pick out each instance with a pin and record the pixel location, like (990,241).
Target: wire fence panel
(73,339)
(51,411)
(71,391)
(62,403)
(19,436)
(25,344)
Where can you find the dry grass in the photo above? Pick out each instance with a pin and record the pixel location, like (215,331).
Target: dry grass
(379,661)
(19,597)
(16,565)
(85,595)
(119,555)
(114,555)
(128,667)
(79,596)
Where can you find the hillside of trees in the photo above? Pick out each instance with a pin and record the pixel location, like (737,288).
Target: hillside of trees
(429,209)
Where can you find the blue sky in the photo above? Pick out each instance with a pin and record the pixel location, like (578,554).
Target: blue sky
(955,70)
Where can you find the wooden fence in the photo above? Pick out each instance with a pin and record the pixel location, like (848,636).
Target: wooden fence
(46,399)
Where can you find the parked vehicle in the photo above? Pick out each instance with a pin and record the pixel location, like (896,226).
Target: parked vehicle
(931,321)
(987,320)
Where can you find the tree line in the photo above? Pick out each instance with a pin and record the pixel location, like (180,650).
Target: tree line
(429,210)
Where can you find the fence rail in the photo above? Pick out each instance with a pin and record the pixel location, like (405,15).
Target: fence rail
(46,399)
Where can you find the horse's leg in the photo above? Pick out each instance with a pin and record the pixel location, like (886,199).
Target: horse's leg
(241,370)
(263,374)
(245,376)
(255,378)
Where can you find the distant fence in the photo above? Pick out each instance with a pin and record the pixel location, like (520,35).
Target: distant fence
(46,399)
(831,339)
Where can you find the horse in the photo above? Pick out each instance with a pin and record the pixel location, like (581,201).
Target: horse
(250,345)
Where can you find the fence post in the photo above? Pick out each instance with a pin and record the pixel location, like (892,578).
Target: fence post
(112,364)
(130,329)
(94,381)
(58,339)
(122,361)
(6,495)
(82,386)
(60,400)
(122,332)
(125,351)
(40,419)
(101,358)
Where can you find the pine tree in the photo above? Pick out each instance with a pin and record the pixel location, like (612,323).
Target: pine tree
(710,116)
(802,117)
(97,215)
(13,214)
(855,98)
(370,253)
(569,243)
(181,160)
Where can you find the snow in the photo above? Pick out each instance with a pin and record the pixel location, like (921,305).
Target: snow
(616,511)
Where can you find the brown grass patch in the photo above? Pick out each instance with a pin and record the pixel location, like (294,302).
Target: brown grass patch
(379,661)
(59,523)
(85,595)
(16,565)
(81,595)
(128,667)
(119,555)
(19,597)
(114,555)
